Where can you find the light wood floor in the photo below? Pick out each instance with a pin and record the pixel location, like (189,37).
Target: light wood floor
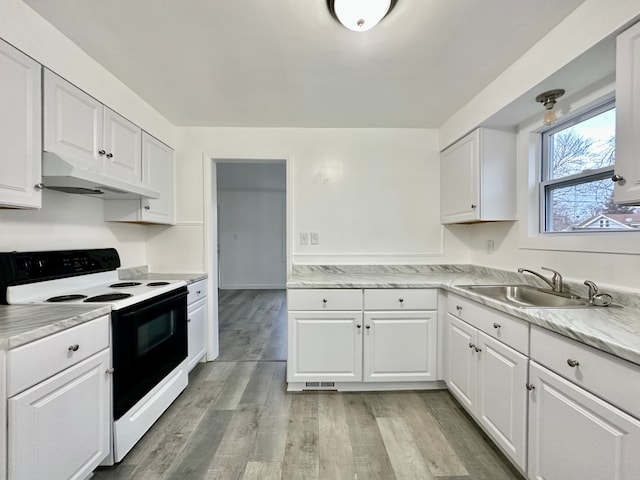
(235,420)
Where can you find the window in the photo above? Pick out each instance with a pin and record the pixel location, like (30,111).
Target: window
(578,158)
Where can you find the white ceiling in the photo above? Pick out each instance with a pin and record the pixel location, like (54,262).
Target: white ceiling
(288,63)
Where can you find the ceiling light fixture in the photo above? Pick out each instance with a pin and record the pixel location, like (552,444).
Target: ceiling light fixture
(360,15)
(548,100)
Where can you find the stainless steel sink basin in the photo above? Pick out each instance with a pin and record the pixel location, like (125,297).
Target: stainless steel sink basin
(526,296)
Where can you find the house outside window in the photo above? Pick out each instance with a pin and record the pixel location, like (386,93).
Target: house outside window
(578,159)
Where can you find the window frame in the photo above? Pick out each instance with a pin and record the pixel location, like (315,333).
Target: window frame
(547,185)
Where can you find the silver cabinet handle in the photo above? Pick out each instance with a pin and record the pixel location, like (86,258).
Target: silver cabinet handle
(74,347)
(198,292)
(458,307)
(324,300)
(471,345)
(573,363)
(359,326)
(477,349)
(109,371)
(39,186)
(368,327)
(147,207)
(188,320)
(109,155)
(401,300)
(530,386)
(496,325)
(101,152)
(617,178)
(473,205)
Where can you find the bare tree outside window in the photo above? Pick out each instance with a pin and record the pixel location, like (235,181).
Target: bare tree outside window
(578,163)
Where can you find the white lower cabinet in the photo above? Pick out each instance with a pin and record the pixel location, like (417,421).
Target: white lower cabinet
(488,377)
(60,428)
(196,323)
(576,435)
(332,340)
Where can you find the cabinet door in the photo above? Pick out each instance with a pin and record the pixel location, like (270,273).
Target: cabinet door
(325,347)
(157,170)
(72,123)
(460,181)
(462,366)
(628,116)
(502,396)
(576,435)
(400,346)
(123,147)
(60,428)
(20,129)
(196,316)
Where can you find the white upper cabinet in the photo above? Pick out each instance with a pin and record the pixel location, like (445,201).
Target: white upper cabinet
(627,169)
(157,173)
(80,128)
(20,129)
(477,178)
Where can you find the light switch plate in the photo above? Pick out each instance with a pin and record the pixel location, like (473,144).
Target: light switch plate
(315,239)
(304,238)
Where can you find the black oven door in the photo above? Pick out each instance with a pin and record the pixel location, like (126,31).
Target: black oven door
(149,341)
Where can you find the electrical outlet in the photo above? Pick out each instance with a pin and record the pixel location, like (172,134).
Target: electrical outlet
(304,238)
(490,247)
(315,239)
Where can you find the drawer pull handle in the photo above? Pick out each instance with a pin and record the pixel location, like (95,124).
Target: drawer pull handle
(477,349)
(324,300)
(198,292)
(368,327)
(530,386)
(573,363)
(401,300)
(101,152)
(458,307)
(74,347)
(471,345)
(359,326)
(109,371)
(496,325)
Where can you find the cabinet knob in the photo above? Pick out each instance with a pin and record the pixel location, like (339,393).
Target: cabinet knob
(368,327)
(101,152)
(147,207)
(39,186)
(496,325)
(74,347)
(109,155)
(401,300)
(471,345)
(458,307)
(198,292)
(477,349)
(188,320)
(473,205)
(109,371)
(573,363)
(324,300)
(617,178)
(359,326)
(530,386)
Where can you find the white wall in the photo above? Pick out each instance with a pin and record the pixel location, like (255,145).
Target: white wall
(251,225)
(372,195)
(72,221)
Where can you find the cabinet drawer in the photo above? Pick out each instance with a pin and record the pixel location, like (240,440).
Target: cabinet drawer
(196,291)
(324,299)
(400,299)
(501,326)
(604,375)
(38,360)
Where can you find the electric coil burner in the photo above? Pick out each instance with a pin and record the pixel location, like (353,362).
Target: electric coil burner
(148,328)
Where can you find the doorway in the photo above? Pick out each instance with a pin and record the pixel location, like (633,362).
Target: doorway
(233,256)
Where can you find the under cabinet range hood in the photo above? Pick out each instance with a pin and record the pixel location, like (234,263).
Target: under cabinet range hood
(60,174)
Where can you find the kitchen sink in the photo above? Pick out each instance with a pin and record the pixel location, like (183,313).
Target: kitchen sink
(527,296)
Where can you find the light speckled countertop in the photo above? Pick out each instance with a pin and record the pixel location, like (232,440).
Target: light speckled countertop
(615,330)
(142,273)
(21,324)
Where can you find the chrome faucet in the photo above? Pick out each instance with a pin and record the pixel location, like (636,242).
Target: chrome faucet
(555,283)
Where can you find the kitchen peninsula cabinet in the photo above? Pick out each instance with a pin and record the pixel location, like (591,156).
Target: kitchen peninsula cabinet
(80,128)
(487,373)
(59,408)
(158,174)
(627,167)
(583,411)
(477,178)
(348,339)
(20,129)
